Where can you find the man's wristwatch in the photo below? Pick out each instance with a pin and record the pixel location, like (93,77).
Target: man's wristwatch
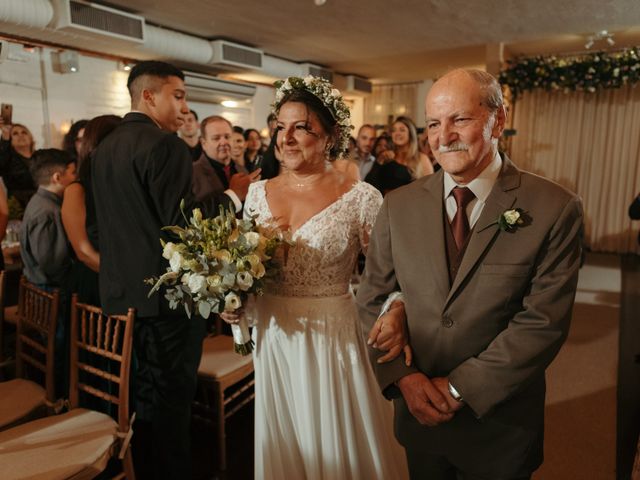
(454,393)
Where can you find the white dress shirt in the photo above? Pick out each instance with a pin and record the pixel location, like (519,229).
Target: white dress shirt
(480,186)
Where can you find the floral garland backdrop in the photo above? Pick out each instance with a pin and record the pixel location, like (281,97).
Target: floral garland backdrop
(587,72)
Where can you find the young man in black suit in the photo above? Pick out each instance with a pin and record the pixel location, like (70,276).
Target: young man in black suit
(140,173)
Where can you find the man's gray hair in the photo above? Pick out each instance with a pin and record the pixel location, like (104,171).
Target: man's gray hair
(489,86)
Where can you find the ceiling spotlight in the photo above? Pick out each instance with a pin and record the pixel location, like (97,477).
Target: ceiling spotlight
(601,35)
(319,3)
(229,103)
(125,66)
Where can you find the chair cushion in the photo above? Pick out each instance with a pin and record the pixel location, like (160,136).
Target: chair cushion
(76,444)
(19,398)
(11,314)
(219,359)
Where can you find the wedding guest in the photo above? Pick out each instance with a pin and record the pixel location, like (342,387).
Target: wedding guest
(4,221)
(381,144)
(215,175)
(253,150)
(16,147)
(45,250)
(316,411)
(405,162)
(238,147)
(79,215)
(270,160)
(487,257)
(190,133)
(634,211)
(73,138)
(364,146)
(139,174)
(272,122)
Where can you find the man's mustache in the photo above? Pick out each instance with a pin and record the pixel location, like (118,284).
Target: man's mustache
(453,147)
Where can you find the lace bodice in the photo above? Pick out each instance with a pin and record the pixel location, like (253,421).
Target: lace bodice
(325,247)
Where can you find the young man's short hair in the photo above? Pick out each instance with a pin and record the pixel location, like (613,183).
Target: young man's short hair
(47,161)
(151,68)
(195,115)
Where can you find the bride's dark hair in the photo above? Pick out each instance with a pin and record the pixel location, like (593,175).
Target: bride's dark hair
(314,104)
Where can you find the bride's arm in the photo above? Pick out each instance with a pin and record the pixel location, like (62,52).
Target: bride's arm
(390,333)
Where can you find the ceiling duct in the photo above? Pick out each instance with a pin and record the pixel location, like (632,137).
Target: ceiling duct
(236,56)
(316,71)
(90,19)
(358,85)
(208,89)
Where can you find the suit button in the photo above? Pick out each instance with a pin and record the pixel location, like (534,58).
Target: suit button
(447,322)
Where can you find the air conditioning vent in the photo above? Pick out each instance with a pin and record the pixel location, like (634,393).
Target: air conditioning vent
(316,71)
(205,88)
(89,18)
(233,55)
(358,85)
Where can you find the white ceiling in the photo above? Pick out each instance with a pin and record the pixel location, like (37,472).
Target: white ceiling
(399,40)
(387,41)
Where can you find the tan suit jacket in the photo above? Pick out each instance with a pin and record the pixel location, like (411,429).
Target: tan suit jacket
(495,330)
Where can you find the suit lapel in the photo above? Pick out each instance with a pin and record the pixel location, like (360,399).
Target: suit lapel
(434,235)
(486,228)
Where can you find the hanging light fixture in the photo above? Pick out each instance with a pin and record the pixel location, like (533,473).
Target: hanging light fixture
(601,35)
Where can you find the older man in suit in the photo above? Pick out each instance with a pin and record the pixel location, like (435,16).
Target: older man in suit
(487,259)
(140,172)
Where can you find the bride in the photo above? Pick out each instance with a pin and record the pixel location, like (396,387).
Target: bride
(318,411)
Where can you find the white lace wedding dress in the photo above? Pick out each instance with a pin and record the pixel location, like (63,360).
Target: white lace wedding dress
(319,413)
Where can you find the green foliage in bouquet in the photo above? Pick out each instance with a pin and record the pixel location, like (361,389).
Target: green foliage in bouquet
(216,263)
(588,72)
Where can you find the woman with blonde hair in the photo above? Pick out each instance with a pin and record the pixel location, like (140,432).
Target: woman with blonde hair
(404,163)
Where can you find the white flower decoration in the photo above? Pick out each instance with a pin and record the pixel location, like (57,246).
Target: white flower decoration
(232,302)
(197,283)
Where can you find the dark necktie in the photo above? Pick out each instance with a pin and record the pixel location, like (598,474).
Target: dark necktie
(460,222)
(227,172)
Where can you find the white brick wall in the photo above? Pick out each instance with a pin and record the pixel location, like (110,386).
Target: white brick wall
(98,88)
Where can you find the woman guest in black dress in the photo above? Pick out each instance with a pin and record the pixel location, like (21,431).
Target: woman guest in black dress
(79,217)
(16,147)
(404,162)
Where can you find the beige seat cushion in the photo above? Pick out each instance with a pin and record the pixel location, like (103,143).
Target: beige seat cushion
(219,359)
(76,444)
(19,398)
(11,314)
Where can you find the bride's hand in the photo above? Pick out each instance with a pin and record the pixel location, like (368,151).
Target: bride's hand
(232,317)
(390,334)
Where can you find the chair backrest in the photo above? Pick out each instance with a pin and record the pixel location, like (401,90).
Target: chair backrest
(36,333)
(101,348)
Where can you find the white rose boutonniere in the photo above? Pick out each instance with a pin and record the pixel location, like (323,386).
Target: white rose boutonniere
(509,220)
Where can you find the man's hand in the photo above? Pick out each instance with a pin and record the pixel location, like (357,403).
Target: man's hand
(390,334)
(442,384)
(424,400)
(240,182)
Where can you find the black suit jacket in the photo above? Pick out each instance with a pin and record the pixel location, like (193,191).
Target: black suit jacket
(139,175)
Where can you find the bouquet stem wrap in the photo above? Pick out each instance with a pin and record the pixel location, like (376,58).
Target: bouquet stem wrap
(242,342)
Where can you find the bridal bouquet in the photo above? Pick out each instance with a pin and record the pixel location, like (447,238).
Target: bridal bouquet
(216,264)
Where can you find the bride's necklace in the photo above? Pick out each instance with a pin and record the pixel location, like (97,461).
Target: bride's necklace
(300,185)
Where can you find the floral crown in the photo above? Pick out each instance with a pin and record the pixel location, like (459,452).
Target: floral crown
(330,98)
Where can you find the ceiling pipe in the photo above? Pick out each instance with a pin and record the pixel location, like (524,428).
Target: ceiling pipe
(27,13)
(159,42)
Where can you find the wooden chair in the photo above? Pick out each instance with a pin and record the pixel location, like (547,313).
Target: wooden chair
(79,443)
(225,385)
(8,313)
(32,393)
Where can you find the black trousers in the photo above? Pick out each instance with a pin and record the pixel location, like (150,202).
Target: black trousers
(426,466)
(168,350)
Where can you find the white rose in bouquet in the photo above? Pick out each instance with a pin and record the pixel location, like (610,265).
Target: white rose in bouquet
(244,280)
(197,283)
(232,302)
(176,261)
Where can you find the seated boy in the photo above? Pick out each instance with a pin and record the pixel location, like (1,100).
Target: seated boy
(45,250)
